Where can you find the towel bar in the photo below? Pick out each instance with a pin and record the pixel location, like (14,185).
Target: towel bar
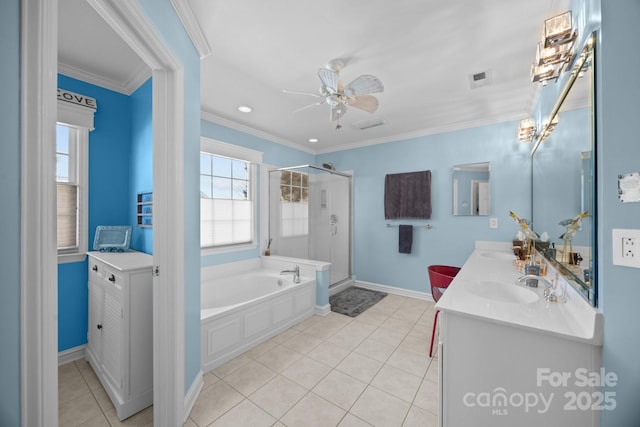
(428,226)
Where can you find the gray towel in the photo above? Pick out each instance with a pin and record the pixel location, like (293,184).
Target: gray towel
(405,238)
(407,195)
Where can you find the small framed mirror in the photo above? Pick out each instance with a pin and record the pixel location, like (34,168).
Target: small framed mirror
(472,189)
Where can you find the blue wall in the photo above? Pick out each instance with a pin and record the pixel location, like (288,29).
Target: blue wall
(619,152)
(10,212)
(141,164)
(452,239)
(109,201)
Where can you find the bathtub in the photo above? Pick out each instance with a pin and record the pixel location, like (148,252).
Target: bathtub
(246,303)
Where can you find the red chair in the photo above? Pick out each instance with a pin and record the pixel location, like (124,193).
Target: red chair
(440,276)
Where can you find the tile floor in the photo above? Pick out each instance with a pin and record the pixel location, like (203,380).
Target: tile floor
(372,370)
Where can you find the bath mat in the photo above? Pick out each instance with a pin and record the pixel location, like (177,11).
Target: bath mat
(354,300)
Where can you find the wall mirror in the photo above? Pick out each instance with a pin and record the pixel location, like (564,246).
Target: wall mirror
(472,189)
(563,185)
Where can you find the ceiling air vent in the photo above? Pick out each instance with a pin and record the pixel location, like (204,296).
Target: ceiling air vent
(368,124)
(480,79)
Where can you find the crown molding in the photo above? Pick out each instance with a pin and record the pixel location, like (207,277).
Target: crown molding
(193,28)
(426,132)
(141,75)
(210,117)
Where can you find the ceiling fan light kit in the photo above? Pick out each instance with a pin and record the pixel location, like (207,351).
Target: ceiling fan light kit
(357,94)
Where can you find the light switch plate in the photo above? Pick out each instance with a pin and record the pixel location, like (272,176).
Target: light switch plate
(626,247)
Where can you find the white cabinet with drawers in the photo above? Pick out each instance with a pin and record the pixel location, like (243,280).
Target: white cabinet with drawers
(120,344)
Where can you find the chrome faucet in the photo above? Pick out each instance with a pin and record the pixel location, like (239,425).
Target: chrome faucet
(296,273)
(550,294)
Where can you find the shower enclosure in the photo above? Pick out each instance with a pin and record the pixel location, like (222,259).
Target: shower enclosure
(310,216)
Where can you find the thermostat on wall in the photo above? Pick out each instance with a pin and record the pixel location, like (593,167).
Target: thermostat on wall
(629,187)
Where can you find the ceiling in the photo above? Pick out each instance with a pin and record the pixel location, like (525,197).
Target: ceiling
(423,51)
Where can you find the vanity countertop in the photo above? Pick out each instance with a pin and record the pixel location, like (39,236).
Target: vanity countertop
(487,288)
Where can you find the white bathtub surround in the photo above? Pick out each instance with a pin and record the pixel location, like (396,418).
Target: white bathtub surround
(501,341)
(246,302)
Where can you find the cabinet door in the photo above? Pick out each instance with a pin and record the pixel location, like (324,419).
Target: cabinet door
(112,335)
(94,338)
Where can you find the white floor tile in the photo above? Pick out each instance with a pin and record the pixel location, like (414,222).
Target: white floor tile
(363,371)
(306,372)
(313,411)
(340,389)
(397,382)
(250,378)
(360,367)
(246,413)
(278,396)
(380,409)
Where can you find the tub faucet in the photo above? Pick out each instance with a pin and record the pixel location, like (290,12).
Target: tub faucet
(296,273)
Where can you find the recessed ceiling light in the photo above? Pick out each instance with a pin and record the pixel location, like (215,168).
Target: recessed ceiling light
(313,139)
(245,109)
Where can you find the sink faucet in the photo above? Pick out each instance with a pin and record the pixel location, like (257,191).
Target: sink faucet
(296,273)
(550,294)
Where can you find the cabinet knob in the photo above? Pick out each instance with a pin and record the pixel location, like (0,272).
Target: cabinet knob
(99,326)
(112,278)
(95,268)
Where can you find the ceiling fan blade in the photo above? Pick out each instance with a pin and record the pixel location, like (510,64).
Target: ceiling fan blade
(301,93)
(368,103)
(329,79)
(309,106)
(364,85)
(337,112)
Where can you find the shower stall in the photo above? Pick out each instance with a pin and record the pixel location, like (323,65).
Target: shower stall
(310,216)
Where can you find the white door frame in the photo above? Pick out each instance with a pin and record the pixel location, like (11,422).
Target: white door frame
(39,321)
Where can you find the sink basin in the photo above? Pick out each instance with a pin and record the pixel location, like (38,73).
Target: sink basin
(504,292)
(499,255)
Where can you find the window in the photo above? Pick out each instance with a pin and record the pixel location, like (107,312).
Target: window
(71,184)
(294,200)
(75,120)
(227,196)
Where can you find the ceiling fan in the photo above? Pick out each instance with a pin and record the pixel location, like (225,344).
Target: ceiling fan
(334,93)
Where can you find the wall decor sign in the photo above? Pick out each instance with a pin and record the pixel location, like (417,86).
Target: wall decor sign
(77,99)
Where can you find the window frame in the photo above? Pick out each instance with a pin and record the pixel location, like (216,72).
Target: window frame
(302,200)
(79,155)
(81,117)
(254,159)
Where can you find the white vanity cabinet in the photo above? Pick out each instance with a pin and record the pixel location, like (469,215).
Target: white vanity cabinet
(120,330)
(509,358)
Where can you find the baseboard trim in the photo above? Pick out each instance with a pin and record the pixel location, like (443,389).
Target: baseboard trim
(322,310)
(192,395)
(71,354)
(340,287)
(394,290)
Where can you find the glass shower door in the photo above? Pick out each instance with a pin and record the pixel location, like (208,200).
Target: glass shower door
(310,217)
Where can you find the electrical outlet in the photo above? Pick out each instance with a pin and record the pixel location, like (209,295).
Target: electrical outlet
(625,247)
(629,248)
(493,222)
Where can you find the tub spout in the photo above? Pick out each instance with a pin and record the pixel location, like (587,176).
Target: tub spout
(296,273)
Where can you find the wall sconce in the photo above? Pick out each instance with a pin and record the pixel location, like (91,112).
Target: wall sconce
(526,130)
(548,127)
(556,50)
